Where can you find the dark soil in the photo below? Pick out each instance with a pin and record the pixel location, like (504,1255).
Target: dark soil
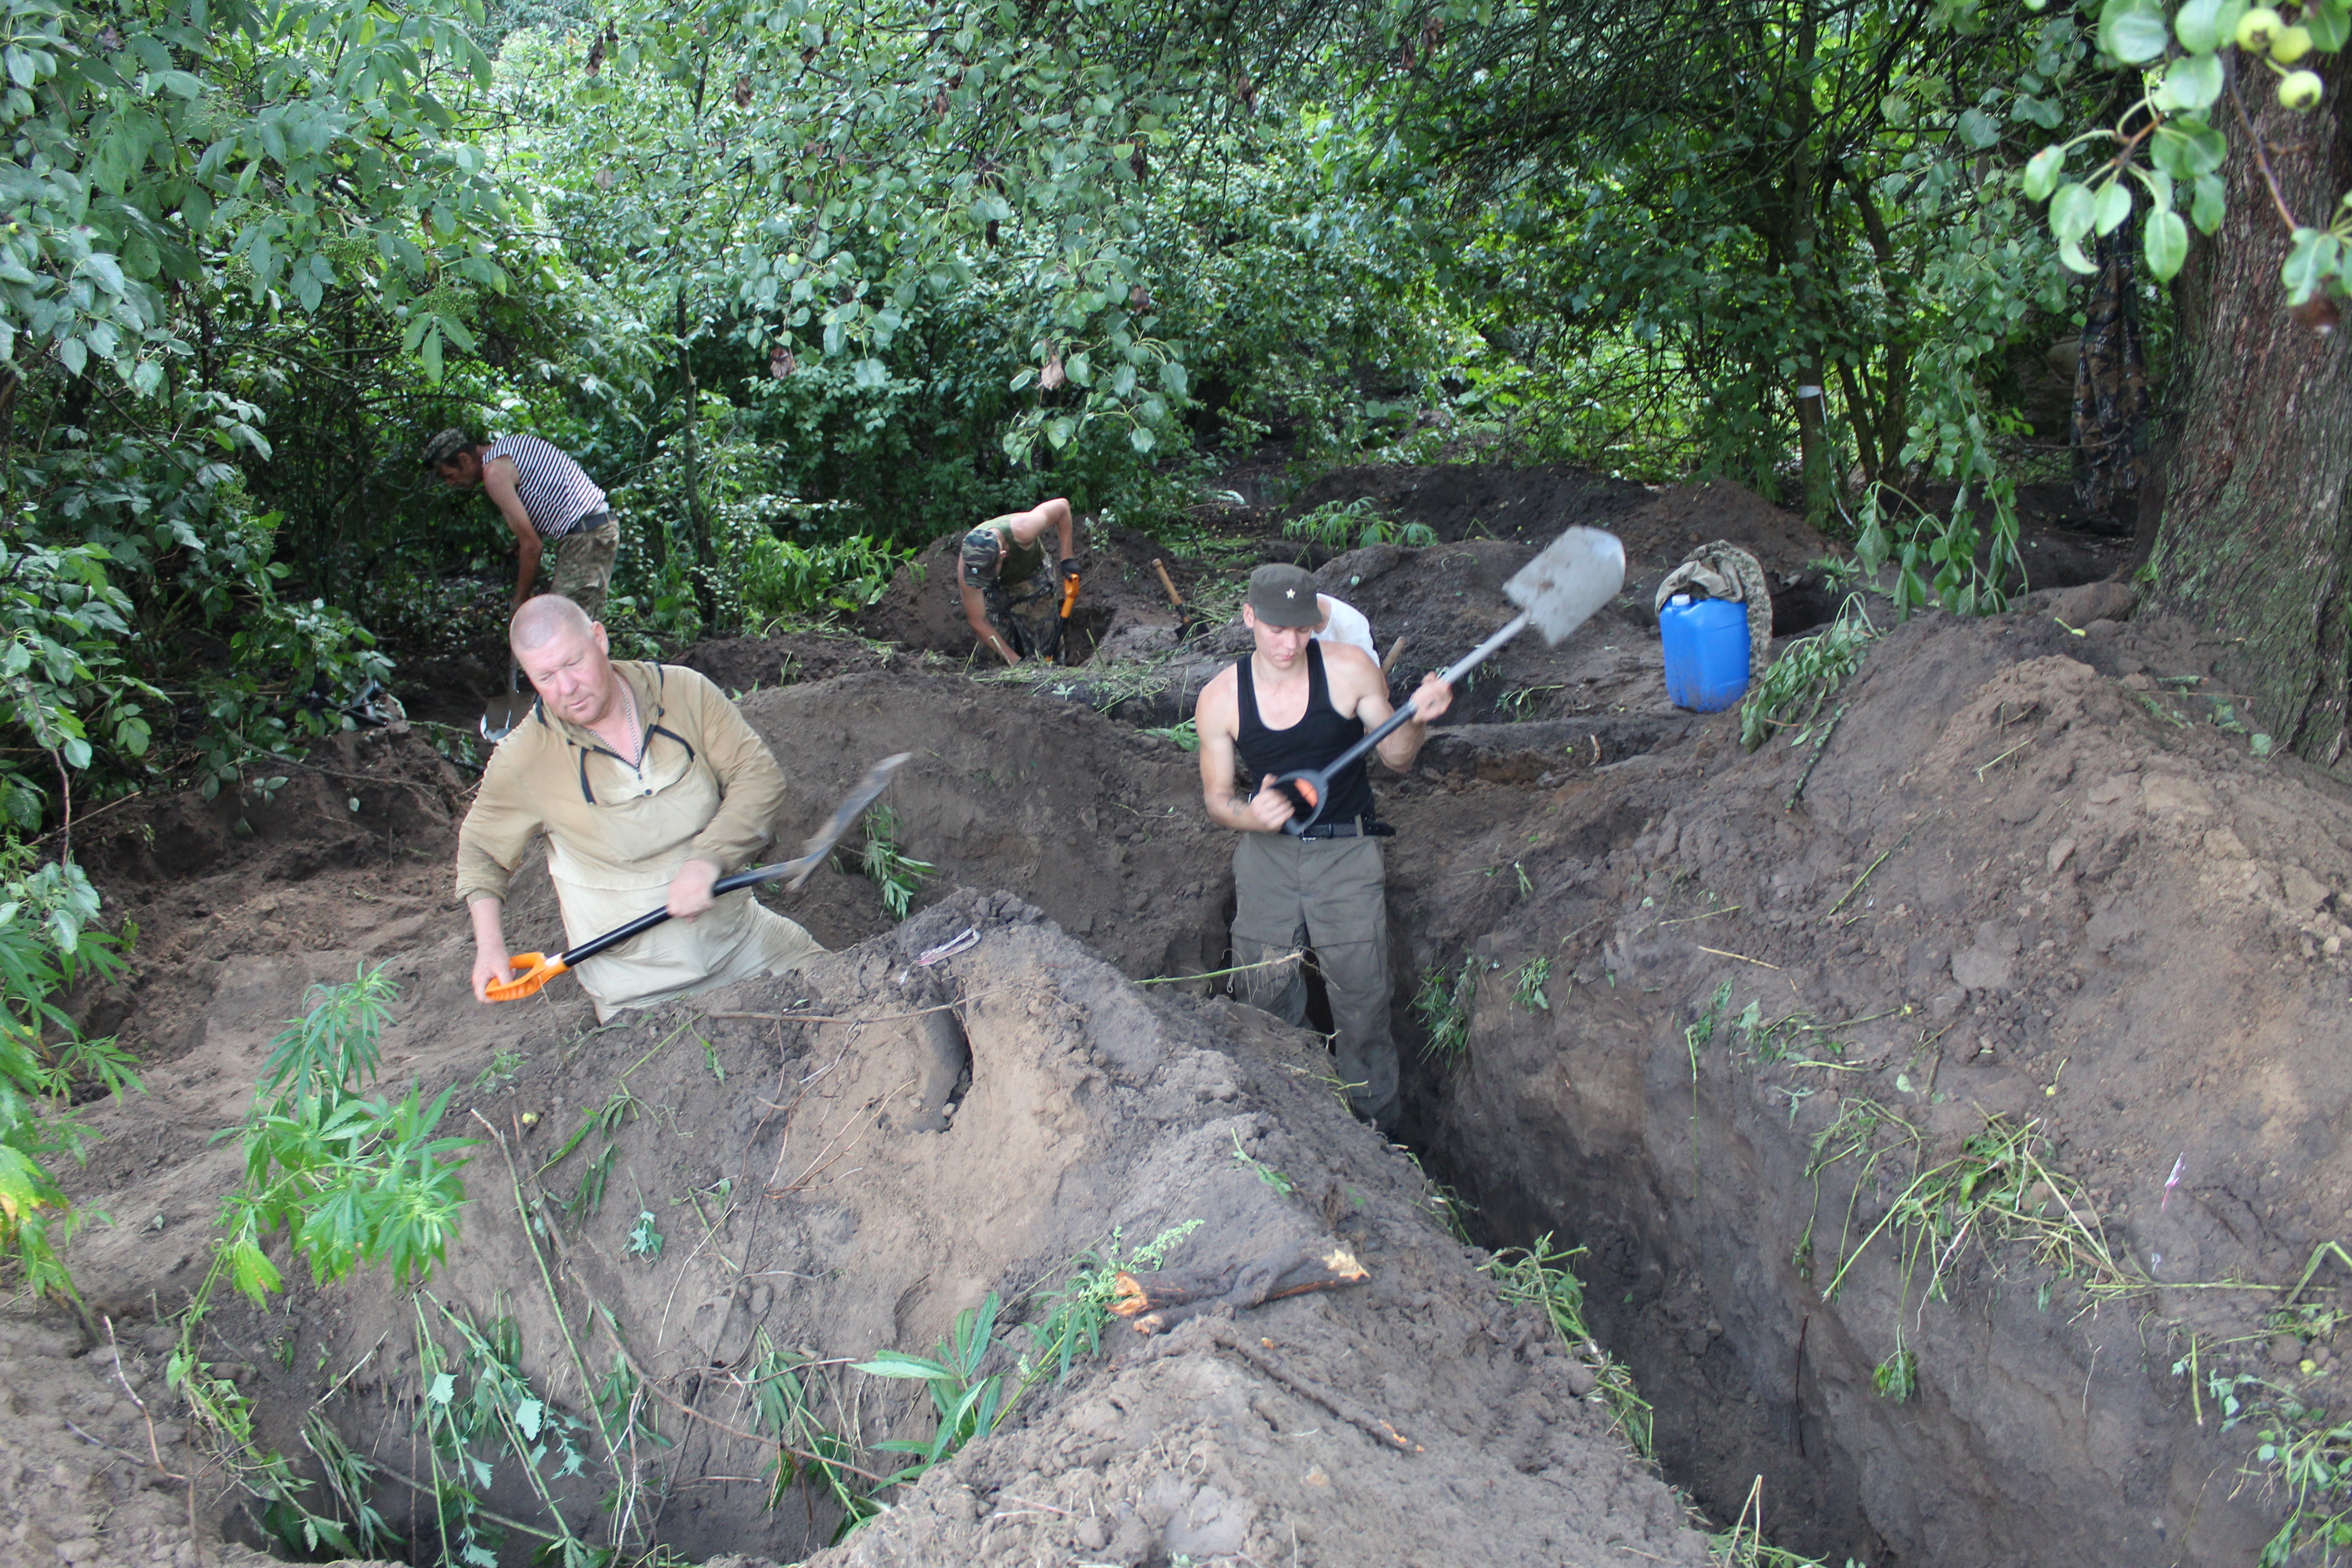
(2034,876)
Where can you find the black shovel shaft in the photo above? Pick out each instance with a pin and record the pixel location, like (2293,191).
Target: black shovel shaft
(1320,778)
(572,958)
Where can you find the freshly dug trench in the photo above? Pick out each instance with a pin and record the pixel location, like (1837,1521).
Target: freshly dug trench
(2037,902)
(767,1199)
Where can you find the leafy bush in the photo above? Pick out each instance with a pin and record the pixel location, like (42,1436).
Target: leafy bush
(354,1180)
(63,677)
(48,944)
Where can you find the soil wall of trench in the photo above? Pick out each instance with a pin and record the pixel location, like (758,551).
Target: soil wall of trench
(2035,880)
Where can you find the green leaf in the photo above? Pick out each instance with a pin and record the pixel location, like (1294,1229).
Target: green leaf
(1977,129)
(2042,172)
(251,1271)
(2114,205)
(2198,26)
(2166,242)
(429,352)
(2329,23)
(2205,205)
(2313,256)
(2193,83)
(2071,212)
(1140,437)
(443,1390)
(2134,31)
(2071,257)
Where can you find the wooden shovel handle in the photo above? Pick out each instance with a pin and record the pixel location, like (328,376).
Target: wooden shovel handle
(1173,597)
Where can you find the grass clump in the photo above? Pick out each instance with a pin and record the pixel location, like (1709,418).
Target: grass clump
(1792,692)
(1540,1276)
(1528,992)
(1443,1003)
(898,874)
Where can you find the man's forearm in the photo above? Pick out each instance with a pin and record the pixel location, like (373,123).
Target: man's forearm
(526,570)
(489,916)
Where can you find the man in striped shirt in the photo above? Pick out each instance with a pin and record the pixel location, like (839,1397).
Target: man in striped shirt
(546,497)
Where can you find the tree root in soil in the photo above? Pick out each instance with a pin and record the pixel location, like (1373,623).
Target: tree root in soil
(1166,1301)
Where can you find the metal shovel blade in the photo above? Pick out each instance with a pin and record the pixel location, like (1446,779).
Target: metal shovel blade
(508,708)
(821,843)
(1576,575)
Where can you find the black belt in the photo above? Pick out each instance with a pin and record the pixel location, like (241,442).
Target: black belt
(1354,827)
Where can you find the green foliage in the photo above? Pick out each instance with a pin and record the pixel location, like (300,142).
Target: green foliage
(1527,990)
(1356,525)
(49,943)
(63,677)
(1077,1314)
(1443,1003)
(1543,1277)
(2187,58)
(969,1406)
(1186,736)
(787,1393)
(1791,694)
(353,1180)
(644,1241)
(783,581)
(898,874)
(1281,1184)
(482,1419)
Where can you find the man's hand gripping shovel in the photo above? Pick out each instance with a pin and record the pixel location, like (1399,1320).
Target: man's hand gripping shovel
(1556,593)
(539,969)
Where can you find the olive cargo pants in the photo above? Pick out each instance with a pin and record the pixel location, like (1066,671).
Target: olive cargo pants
(1330,894)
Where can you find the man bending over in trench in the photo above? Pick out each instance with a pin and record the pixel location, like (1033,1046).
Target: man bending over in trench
(648,785)
(1004,552)
(1296,703)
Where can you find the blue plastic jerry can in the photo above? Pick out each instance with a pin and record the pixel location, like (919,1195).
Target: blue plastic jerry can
(1706,652)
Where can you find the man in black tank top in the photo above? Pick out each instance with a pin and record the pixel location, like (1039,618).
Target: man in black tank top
(1295,703)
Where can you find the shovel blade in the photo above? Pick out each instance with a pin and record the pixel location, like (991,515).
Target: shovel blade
(821,843)
(503,712)
(1576,575)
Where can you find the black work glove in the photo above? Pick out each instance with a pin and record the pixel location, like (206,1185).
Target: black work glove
(1069,566)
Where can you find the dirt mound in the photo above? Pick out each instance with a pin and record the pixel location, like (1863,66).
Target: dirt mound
(772,1133)
(2034,876)
(1491,500)
(740,664)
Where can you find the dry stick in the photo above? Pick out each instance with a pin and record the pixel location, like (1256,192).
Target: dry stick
(1688,920)
(1347,1410)
(412,1484)
(1743,958)
(154,1451)
(2262,159)
(1280,959)
(1858,881)
(847,1018)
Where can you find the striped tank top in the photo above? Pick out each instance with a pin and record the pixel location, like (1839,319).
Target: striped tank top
(554,490)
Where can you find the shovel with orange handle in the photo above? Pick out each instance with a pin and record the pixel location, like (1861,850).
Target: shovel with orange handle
(538,969)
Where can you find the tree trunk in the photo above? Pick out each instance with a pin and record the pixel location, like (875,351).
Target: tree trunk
(2255,537)
(697,521)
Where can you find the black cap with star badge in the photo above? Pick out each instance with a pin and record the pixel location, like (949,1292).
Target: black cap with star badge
(1284,595)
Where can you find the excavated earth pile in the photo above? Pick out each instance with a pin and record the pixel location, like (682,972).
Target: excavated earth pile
(2043,920)
(827,1186)
(2033,897)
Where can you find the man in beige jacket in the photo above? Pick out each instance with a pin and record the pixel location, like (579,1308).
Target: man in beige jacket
(648,785)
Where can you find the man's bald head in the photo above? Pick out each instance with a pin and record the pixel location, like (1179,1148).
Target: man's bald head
(542,620)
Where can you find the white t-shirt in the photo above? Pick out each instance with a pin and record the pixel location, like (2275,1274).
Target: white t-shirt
(1345,624)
